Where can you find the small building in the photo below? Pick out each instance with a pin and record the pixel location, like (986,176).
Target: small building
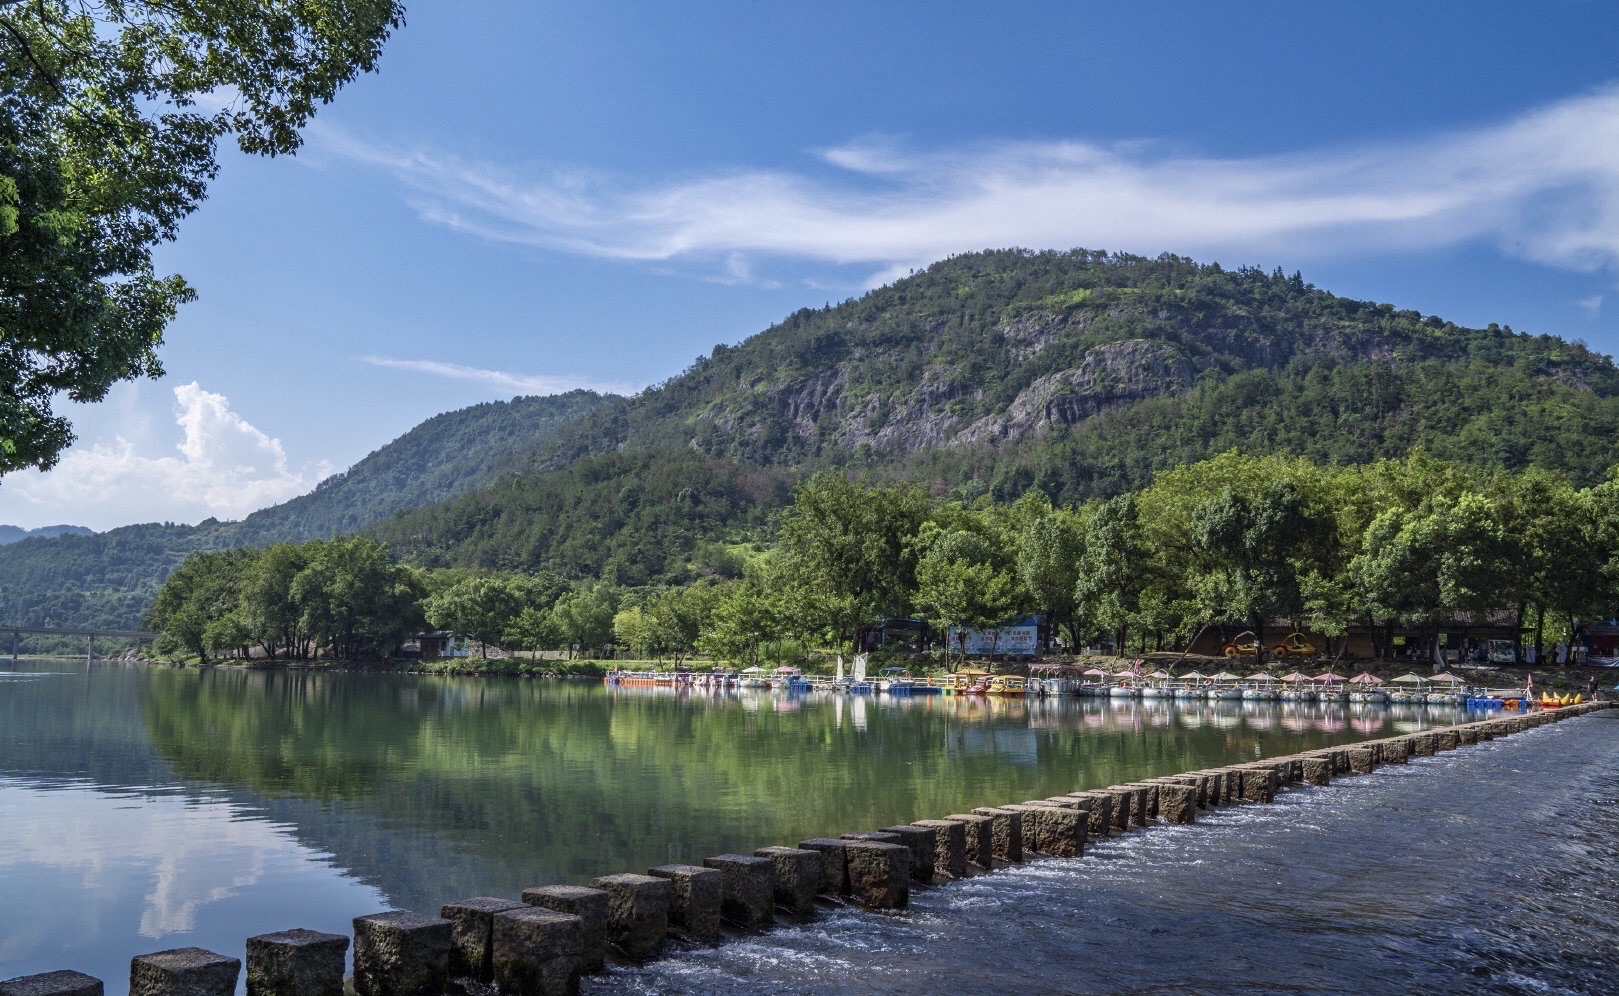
(441,644)
(909,636)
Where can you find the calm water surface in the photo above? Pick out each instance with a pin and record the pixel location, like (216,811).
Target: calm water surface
(148,808)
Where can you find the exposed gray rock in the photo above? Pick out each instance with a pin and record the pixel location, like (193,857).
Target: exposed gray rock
(1109,375)
(184,972)
(590,906)
(296,963)
(537,952)
(696,898)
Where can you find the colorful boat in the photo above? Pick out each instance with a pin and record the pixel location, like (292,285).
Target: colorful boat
(1006,684)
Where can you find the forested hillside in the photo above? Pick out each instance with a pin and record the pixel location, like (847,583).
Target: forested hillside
(446,456)
(634,517)
(1079,374)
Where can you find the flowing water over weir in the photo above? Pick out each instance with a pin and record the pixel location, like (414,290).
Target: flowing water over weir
(210,807)
(1488,869)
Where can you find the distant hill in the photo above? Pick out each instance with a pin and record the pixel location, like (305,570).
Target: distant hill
(1078,373)
(107,579)
(445,456)
(11,534)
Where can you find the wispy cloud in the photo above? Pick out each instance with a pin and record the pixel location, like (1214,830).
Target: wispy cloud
(1592,304)
(1543,186)
(225,467)
(503,380)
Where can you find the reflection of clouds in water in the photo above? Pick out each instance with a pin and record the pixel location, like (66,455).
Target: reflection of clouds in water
(184,884)
(179,855)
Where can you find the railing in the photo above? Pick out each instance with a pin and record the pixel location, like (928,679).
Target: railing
(18,632)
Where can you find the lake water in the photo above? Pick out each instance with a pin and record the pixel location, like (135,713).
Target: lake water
(149,808)
(1491,869)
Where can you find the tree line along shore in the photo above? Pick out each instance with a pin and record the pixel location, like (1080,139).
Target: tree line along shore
(1244,540)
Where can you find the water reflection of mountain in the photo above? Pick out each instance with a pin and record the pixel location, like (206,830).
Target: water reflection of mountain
(433,788)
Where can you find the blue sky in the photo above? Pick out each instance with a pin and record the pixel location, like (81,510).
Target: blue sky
(530,197)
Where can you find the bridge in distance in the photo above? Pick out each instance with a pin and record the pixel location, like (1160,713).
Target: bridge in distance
(18,632)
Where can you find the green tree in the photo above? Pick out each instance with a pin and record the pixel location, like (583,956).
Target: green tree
(196,610)
(961,585)
(1114,569)
(271,615)
(847,555)
(1050,549)
(640,630)
(584,616)
(534,629)
(683,614)
(105,146)
(480,607)
(354,600)
(1258,553)
(747,613)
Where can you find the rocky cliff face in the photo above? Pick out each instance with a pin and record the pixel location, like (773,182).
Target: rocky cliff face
(1110,375)
(946,408)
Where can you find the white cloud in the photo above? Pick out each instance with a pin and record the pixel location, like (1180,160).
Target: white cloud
(1592,304)
(226,468)
(1543,186)
(505,381)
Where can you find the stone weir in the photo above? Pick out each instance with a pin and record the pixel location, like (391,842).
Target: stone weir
(544,941)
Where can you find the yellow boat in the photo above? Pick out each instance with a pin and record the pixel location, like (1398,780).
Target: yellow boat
(1007,684)
(1558,701)
(959,682)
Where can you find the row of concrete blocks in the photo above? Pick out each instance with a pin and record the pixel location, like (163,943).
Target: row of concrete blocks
(543,943)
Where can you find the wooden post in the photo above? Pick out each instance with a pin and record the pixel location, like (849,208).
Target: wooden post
(91,656)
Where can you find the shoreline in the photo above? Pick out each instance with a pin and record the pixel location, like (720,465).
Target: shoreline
(1566,677)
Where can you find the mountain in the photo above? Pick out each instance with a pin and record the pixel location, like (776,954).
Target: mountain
(108,579)
(11,534)
(1083,372)
(1079,373)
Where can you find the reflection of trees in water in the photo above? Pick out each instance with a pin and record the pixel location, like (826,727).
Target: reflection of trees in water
(435,787)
